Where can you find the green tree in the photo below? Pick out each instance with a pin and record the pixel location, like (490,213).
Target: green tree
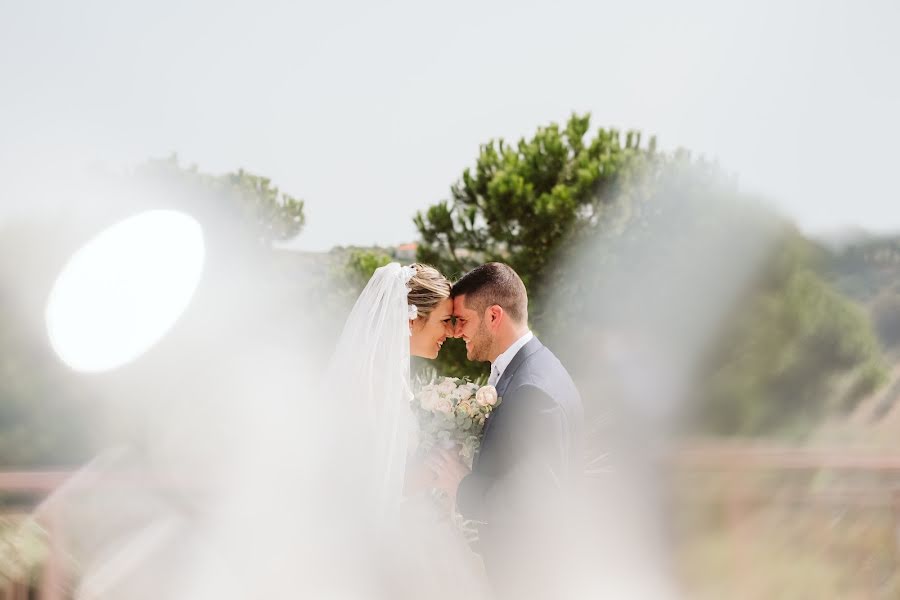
(523,204)
(794,351)
(359,265)
(600,229)
(345,273)
(243,205)
(520,202)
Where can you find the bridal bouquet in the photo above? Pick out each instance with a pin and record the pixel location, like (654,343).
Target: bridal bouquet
(452,412)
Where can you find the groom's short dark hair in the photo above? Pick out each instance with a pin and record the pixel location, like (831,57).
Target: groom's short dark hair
(490,284)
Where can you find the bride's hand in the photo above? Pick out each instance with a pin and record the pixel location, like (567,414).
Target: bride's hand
(448,469)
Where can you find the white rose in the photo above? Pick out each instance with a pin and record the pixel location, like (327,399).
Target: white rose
(486,396)
(428,399)
(463,393)
(443,405)
(446,386)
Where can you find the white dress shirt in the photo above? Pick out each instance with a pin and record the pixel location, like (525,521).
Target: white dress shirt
(501,362)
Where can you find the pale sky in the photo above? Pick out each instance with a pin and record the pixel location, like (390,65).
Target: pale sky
(369,111)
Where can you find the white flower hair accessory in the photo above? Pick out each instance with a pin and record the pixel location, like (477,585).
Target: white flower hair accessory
(413,312)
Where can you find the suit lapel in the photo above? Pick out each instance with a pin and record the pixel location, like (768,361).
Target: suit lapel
(524,352)
(527,350)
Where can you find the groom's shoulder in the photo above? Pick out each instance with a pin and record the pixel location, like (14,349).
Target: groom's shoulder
(541,369)
(543,361)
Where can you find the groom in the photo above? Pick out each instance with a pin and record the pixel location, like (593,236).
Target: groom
(530,458)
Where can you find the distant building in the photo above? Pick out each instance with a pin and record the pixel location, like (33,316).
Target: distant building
(406,252)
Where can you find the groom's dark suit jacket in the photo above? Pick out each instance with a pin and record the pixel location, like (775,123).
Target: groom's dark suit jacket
(530,461)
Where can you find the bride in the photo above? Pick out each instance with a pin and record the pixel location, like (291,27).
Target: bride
(403,311)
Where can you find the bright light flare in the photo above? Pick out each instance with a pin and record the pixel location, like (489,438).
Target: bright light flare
(122,291)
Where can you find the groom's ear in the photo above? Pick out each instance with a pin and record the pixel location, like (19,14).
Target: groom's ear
(494,315)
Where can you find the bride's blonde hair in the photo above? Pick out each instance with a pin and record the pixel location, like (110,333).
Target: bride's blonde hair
(427,289)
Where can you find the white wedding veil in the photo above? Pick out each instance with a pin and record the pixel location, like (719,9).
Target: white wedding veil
(368,374)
